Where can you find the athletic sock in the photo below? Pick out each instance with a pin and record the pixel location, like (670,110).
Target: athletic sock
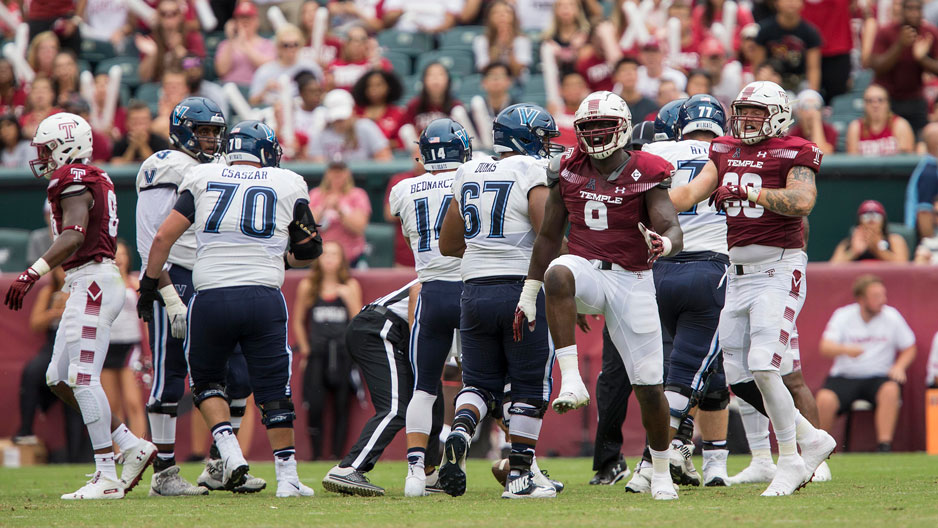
(285,462)
(416,456)
(124,439)
(567,360)
(105,464)
(164,461)
(660,461)
(226,441)
(804,431)
(465,421)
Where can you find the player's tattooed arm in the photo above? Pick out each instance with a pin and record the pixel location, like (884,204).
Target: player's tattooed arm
(698,189)
(75,211)
(663,218)
(550,236)
(452,241)
(798,196)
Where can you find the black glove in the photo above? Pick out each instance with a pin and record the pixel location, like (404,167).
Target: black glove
(149,292)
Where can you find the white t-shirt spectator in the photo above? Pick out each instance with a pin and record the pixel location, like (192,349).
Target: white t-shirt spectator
(103,18)
(881,337)
(534,15)
(330,145)
(649,86)
(19,157)
(273,70)
(422,15)
(521,48)
(932,368)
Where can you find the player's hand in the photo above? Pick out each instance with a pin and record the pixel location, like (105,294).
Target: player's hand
(527,308)
(176,311)
(658,246)
(897,374)
(149,293)
(727,193)
(583,322)
(20,288)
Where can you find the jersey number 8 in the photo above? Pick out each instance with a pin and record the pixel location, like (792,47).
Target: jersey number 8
(747,179)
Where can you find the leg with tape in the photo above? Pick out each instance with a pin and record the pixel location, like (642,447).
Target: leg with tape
(526,416)
(472,405)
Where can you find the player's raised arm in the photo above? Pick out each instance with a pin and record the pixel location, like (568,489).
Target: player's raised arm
(452,240)
(697,190)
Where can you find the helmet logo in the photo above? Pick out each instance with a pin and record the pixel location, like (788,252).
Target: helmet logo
(68,126)
(464,138)
(268,132)
(527,115)
(179,114)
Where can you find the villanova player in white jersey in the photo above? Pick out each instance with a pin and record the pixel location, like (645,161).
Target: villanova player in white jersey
(421,203)
(252,220)
(197,129)
(499,206)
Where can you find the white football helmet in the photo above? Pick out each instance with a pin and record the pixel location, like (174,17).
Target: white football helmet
(60,139)
(762,94)
(603,124)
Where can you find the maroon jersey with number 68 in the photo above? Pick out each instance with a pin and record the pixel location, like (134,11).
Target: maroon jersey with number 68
(101,231)
(765,165)
(604,215)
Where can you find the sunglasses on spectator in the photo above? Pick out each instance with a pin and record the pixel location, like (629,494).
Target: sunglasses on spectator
(870,217)
(289,44)
(874,99)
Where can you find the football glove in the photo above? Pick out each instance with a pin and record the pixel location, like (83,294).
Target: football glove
(658,246)
(732,193)
(527,307)
(149,293)
(176,311)
(20,288)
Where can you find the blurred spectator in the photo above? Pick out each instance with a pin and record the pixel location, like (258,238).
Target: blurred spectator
(863,339)
(832,19)
(902,52)
(708,12)
(41,54)
(345,13)
(289,8)
(931,378)
(375,94)
(195,80)
(171,40)
(106,21)
(265,86)
(434,101)
(40,240)
(496,83)
(342,210)
(534,16)
(810,125)
(243,51)
(305,110)
(331,44)
(403,254)
(100,143)
(796,44)
(503,40)
(56,17)
(925,253)
(12,95)
(750,53)
(326,300)
(726,76)
(65,77)
(173,89)
(871,27)
(879,132)
(667,92)
(652,71)
(359,54)
(16,15)
(41,101)
(420,15)
(870,238)
(345,136)
(573,89)
(16,150)
(596,59)
(686,58)
(117,128)
(568,31)
(626,79)
(118,381)
(139,143)
(698,82)
(770,70)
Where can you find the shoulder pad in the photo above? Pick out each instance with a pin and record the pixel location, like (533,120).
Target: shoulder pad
(553,170)
(665,183)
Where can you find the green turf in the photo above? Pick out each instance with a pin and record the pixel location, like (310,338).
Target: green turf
(868,490)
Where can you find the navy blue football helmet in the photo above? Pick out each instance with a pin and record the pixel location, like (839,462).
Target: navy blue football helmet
(666,121)
(190,114)
(701,112)
(526,129)
(444,145)
(255,142)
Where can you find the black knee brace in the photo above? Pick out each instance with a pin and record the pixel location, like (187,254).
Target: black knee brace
(692,398)
(237,411)
(490,402)
(750,394)
(277,413)
(163,408)
(537,407)
(715,401)
(200,393)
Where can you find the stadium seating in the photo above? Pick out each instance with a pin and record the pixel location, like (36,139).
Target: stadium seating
(96,50)
(412,44)
(149,93)
(457,62)
(13,245)
(128,66)
(402,63)
(380,250)
(460,37)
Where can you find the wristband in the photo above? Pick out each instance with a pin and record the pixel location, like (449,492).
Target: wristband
(41,267)
(667,246)
(531,289)
(753,193)
(75,227)
(170,296)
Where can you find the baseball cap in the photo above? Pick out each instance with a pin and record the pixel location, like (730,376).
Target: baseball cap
(651,45)
(710,47)
(871,206)
(245,9)
(749,31)
(809,99)
(339,105)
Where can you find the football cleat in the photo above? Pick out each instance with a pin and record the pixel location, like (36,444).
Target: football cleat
(99,487)
(683,471)
(350,481)
(251,484)
(135,462)
(661,486)
(293,488)
(235,472)
(817,451)
(542,478)
(433,482)
(759,470)
(611,474)
(714,468)
(453,470)
(168,483)
(415,484)
(212,476)
(790,476)
(573,395)
(822,473)
(524,486)
(640,481)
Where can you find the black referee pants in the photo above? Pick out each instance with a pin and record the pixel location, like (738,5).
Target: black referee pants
(378,343)
(612,401)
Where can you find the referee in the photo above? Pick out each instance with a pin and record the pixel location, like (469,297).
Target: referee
(378,340)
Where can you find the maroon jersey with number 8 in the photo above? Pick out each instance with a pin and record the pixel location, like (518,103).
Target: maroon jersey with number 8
(765,165)
(604,215)
(101,231)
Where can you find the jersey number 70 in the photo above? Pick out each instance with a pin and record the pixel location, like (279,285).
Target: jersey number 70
(249,209)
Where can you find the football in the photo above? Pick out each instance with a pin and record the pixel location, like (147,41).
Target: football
(500,470)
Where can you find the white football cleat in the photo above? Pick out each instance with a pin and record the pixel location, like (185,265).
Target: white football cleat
(573,395)
(822,473)
(415,485)
(790,476)
(99,487)
(714,468)
(213,475)
(662,488)
(235,471)
(168,483)
(817,451)
(524,486)
(293,488)
(135,461)
(640,481)
(683,471)
(759,470)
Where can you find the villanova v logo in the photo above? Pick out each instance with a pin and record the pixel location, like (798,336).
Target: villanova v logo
(461,134)
(527,115)
(149,175)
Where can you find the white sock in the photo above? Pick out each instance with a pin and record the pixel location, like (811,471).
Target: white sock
(105,464)
(226,441)
(124,438)
(568,361)
(757,428)
(780,407)
(710,454)
(805,432)
(764,454)
(285,468)
(660,461)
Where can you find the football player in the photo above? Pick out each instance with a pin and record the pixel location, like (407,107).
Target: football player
(421,204)
(665,124)
(252,220)
(608,195)
(197,131)
(84,222)
(498,208)
(765,183)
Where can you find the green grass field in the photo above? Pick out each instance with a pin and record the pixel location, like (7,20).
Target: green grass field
(868,490)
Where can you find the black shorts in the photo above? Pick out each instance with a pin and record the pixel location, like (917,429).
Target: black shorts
(849,390)
(116,357)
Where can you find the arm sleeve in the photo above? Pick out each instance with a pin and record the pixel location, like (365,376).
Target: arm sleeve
(834,331)
(153,205)
(185,205)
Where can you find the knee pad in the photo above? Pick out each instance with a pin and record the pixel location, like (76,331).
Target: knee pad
(237,407)
(750,394)
(277,413)
(680,400)
(419,417)
(528,407)
(157,407)
(479,398)
(202,392)
(715,401)
(88,403)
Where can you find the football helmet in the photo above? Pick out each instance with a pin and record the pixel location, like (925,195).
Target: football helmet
(527,129)
(603,124)
(255,142)
(778,118)
(187,117)
(444,145)
(60,139)
(701,112)
(666,121)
